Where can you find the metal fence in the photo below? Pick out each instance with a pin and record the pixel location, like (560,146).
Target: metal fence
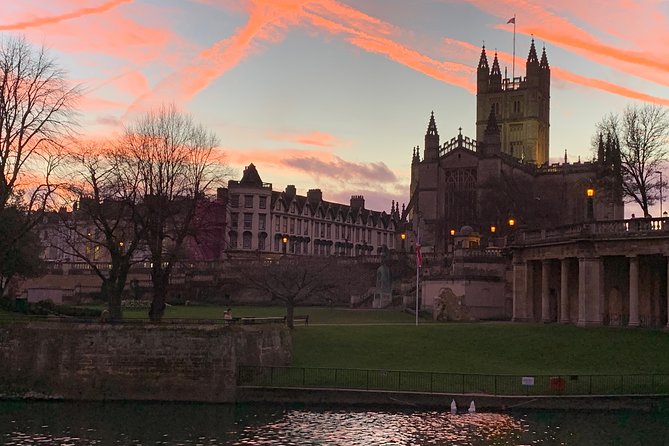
(452,383)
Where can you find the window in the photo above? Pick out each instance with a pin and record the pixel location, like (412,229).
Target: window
(248,221)
(261,221)
(276,244)
(246,240)
(261,242)
(285,224)
(234,201)
(234,220)
(292,226)
(336,231)
(277,224)
(233,240)
(329,231)
(262,202)
(299,226)
(248,201)
(306,227)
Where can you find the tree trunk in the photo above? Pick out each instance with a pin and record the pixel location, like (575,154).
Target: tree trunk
(290,315)
(113,299)
(157,309)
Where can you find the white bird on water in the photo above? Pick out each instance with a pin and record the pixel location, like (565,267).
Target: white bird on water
(454,407)
(472,407)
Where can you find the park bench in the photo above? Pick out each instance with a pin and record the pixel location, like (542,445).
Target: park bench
(301,318)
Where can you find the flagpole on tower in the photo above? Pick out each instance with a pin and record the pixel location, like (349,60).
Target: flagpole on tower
(419,263)
(513,62)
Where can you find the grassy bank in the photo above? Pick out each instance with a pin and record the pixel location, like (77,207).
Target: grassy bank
(487,348)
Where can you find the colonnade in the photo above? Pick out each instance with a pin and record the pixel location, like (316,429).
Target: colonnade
(592,290)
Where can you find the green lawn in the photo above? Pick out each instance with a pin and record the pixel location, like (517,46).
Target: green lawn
(317,315)
(487,348)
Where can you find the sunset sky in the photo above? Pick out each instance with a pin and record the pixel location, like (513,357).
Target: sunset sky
(335,93)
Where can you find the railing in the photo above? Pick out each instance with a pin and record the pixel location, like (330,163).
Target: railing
(452,383)
(600,229)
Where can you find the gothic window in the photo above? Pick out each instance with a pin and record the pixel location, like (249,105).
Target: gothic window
(460,198)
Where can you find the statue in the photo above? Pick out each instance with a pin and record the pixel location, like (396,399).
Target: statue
(384,288)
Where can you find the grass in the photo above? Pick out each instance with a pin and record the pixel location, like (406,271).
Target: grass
(317,315)
(387,339)
(486,348)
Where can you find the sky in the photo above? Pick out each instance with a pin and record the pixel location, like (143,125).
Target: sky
(334,94)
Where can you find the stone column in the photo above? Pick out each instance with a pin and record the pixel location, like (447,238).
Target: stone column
(564,291)
(589,291)
(519,290)
(667,291)
(545,295)
(634,291)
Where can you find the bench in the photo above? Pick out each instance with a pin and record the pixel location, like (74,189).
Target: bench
(301,318)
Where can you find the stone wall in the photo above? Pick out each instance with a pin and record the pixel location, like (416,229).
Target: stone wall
(167,362)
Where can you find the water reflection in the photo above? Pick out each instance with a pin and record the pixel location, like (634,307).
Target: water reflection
(39,423)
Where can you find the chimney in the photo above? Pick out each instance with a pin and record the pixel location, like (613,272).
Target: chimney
(314,196)
(357,202)
(290,190)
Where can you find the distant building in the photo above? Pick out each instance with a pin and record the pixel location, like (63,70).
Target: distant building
(263,220)
(504,174)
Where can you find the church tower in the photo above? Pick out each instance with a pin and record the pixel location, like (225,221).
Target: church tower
(521,106)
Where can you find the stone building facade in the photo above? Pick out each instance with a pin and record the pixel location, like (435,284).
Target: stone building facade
(262,220)
(504,174)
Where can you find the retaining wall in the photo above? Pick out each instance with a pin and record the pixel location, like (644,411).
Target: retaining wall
(167,362)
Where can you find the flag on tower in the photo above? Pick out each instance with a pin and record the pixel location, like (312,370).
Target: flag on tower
(512,20)
(419,256)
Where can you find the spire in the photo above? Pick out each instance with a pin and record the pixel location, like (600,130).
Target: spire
(431,141)
(491,136)
(495,67)
(483,61)
(565,156)
(532,57)
(544,60)
(432,126)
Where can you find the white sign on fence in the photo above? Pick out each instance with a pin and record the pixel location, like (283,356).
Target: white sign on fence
(527,380)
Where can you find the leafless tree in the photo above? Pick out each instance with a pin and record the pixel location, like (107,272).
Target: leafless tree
(640,136)
(293,280)
(103,229)
(36,116)
(173,161)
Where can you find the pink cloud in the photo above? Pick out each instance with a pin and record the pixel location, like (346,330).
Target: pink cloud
(78,13)
(318,139)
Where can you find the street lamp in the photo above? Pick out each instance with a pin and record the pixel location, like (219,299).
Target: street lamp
(512,222)
(590,193)
(661,187)
(284,240)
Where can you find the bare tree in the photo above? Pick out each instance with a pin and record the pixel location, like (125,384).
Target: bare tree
(173,160)
(36,115)
(293,280)
(103,229)
(640,138)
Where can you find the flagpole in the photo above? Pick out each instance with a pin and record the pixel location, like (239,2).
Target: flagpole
(417,268)
(513,63)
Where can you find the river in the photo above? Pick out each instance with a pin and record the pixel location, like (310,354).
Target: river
(74,424)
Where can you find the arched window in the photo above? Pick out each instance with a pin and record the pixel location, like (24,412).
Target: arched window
(460,197)
(233,239)
(246,239)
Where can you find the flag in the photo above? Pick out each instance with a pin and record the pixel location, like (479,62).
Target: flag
(512,20)
(419,256)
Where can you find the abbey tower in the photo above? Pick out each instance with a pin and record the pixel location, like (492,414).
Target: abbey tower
(521,106)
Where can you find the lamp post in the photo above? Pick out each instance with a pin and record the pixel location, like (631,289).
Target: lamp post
(661,187)
(590,193)
(284,241)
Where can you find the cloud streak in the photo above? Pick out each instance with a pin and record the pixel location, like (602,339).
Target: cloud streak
(49,20)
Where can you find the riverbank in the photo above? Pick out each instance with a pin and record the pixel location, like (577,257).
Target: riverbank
(442,401)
